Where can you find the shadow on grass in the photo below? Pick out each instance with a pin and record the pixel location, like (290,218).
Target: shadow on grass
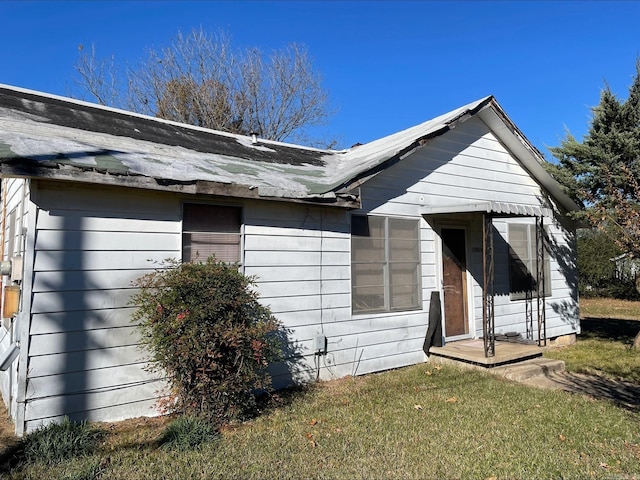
(609,329)
(146,434)
(624,394)
(11,458)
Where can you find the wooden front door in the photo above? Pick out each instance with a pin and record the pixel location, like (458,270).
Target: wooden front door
(454,279)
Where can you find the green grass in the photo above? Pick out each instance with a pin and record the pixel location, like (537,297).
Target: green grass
(419,422)
(604,347)
(606,358)
(186,433)
(52,444)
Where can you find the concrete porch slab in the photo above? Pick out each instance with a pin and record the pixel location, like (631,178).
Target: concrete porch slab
(472,351)
(528,369)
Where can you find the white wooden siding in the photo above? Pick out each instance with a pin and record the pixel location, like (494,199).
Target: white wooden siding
(470,164)
(300,256)
(302,259)
(92,243)
(100,405)
(296,258)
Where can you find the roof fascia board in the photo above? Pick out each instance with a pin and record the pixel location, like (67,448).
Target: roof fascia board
(198,187)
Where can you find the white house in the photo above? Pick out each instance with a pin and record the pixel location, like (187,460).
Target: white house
(627,267)
(352,248)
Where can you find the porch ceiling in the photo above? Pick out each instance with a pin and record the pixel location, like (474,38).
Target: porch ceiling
(494,208)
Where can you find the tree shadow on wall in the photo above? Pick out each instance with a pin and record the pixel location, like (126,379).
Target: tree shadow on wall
(291,369)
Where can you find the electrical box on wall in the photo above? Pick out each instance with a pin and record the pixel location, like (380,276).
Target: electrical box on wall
(16,269)
(320,345)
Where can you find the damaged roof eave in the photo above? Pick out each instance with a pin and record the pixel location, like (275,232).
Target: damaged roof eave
(496,119)
(43,136)
(16,168)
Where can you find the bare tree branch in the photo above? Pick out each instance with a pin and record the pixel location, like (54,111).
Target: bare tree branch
(98,78)
(199,80)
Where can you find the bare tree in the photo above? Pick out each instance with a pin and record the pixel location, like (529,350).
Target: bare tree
(199,80)
(99,78)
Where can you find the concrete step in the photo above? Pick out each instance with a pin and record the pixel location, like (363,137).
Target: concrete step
(529,368)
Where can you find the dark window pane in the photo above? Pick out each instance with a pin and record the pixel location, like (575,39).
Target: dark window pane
(522,262)
(210,230)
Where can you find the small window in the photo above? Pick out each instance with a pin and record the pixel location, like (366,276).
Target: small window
(385,264)
(210,230)
(522,262)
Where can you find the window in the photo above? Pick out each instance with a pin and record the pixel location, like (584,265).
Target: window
(522,262)
(385,264)
(210,230)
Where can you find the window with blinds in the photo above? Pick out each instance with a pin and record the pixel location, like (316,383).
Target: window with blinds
(522,262)
(210,230)
(385,264)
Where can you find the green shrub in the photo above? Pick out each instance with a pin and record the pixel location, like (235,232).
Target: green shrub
(596,271)
(56,442)
(205,330)
(187,432)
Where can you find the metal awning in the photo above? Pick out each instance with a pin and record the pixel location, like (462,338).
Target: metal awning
(494,208)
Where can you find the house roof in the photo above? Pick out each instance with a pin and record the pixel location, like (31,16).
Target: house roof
(48,136)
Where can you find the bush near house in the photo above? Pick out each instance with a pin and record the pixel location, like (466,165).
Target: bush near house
(598,274)
(204,328)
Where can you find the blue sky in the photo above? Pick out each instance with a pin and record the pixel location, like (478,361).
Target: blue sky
(387,65)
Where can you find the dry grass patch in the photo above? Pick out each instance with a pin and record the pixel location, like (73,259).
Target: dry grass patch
(142,432)
(7,429)
(609,308)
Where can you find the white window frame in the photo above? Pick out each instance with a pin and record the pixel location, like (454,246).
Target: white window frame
(358,304)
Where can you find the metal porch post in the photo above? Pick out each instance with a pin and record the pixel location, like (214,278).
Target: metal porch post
(488,316)
(540,283)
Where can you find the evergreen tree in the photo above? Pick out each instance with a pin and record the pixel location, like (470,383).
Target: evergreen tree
(603,171)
